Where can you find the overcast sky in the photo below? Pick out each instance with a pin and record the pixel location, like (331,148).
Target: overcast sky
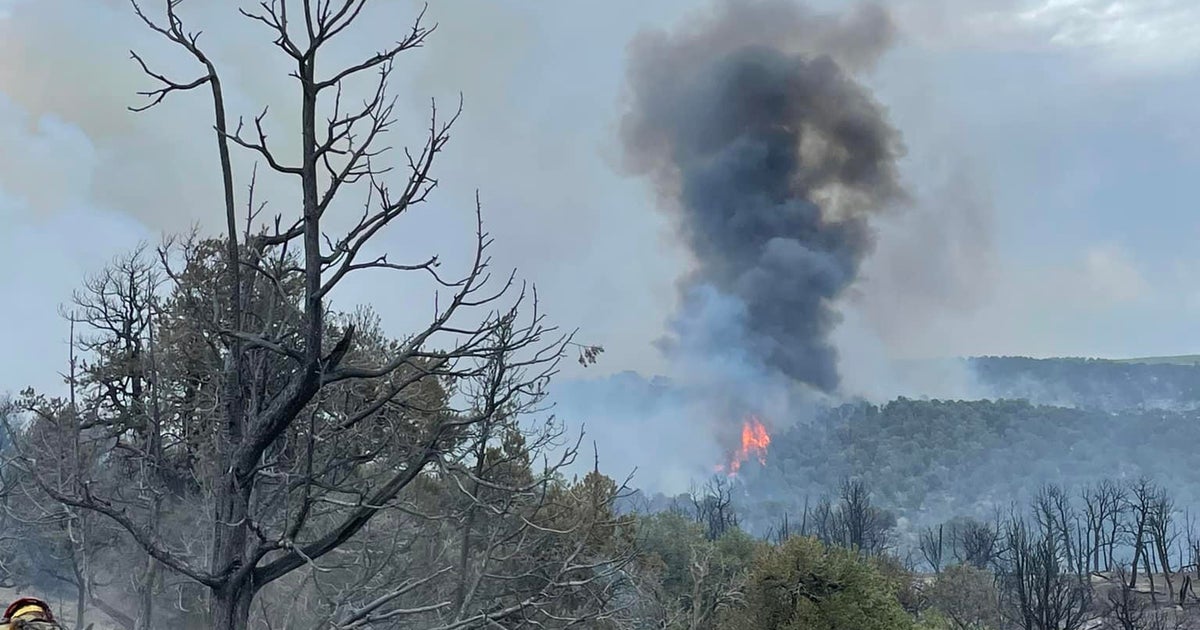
(1052,148)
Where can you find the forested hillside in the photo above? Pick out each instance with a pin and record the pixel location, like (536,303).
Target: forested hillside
(929,460)
(936,459)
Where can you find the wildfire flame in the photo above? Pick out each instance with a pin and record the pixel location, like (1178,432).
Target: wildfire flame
(755,441)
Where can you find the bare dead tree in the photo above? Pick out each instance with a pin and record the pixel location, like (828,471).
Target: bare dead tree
(712,506)
(1041,594)
(781,531)
(1159,523)
(1125,610)
(71,543)
(975,542)
(932,546)
(856,513)
(118,309)
(76,538)
(1139,503)
(420,567)
(865,527)
(297,428)
(1104,505)
(112,376)
(14,565)
(1192,549)
(1055,516)
(825,523)
(853,521)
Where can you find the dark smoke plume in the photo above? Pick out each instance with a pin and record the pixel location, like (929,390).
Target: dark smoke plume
(771,158)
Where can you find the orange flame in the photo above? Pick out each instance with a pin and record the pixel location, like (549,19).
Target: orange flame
(755,441)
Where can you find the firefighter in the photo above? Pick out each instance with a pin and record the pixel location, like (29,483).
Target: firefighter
(29,613)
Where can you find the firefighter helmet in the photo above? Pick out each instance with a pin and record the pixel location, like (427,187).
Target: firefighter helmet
(29,612)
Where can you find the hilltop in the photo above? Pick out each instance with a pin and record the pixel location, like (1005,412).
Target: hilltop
(1113,385)
(1067,421)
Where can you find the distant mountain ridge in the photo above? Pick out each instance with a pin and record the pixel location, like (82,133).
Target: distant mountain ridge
(1182,359)
(1105,384)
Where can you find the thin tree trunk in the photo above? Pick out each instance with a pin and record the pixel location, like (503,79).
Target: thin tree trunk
(1138,550)
(81,595)
(145,614)
(1112,543)
(1149,576)
(1165,563)
(460,595)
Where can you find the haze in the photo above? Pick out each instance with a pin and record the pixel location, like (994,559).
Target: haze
(1050,148)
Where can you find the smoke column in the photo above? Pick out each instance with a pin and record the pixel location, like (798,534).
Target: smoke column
(771,159)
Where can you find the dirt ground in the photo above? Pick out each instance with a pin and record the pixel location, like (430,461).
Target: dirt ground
(1161,602)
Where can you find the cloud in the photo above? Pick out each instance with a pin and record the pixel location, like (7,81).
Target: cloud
(50,161)
(1143,26)
(69,60)
(1110,276)
(1128,34)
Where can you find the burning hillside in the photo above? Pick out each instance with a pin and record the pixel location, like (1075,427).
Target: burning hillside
(755,440)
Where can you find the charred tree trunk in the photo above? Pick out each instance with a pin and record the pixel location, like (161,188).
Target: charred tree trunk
(230,540)
(1111,544)
(1139,550)
(231,606)
(1149,576)
(1165,564)
(145,612)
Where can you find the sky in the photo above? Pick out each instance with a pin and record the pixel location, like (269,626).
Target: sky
(1051,148)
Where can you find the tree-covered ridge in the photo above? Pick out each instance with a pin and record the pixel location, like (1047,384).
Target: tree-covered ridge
(941,458)
(1091,383)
